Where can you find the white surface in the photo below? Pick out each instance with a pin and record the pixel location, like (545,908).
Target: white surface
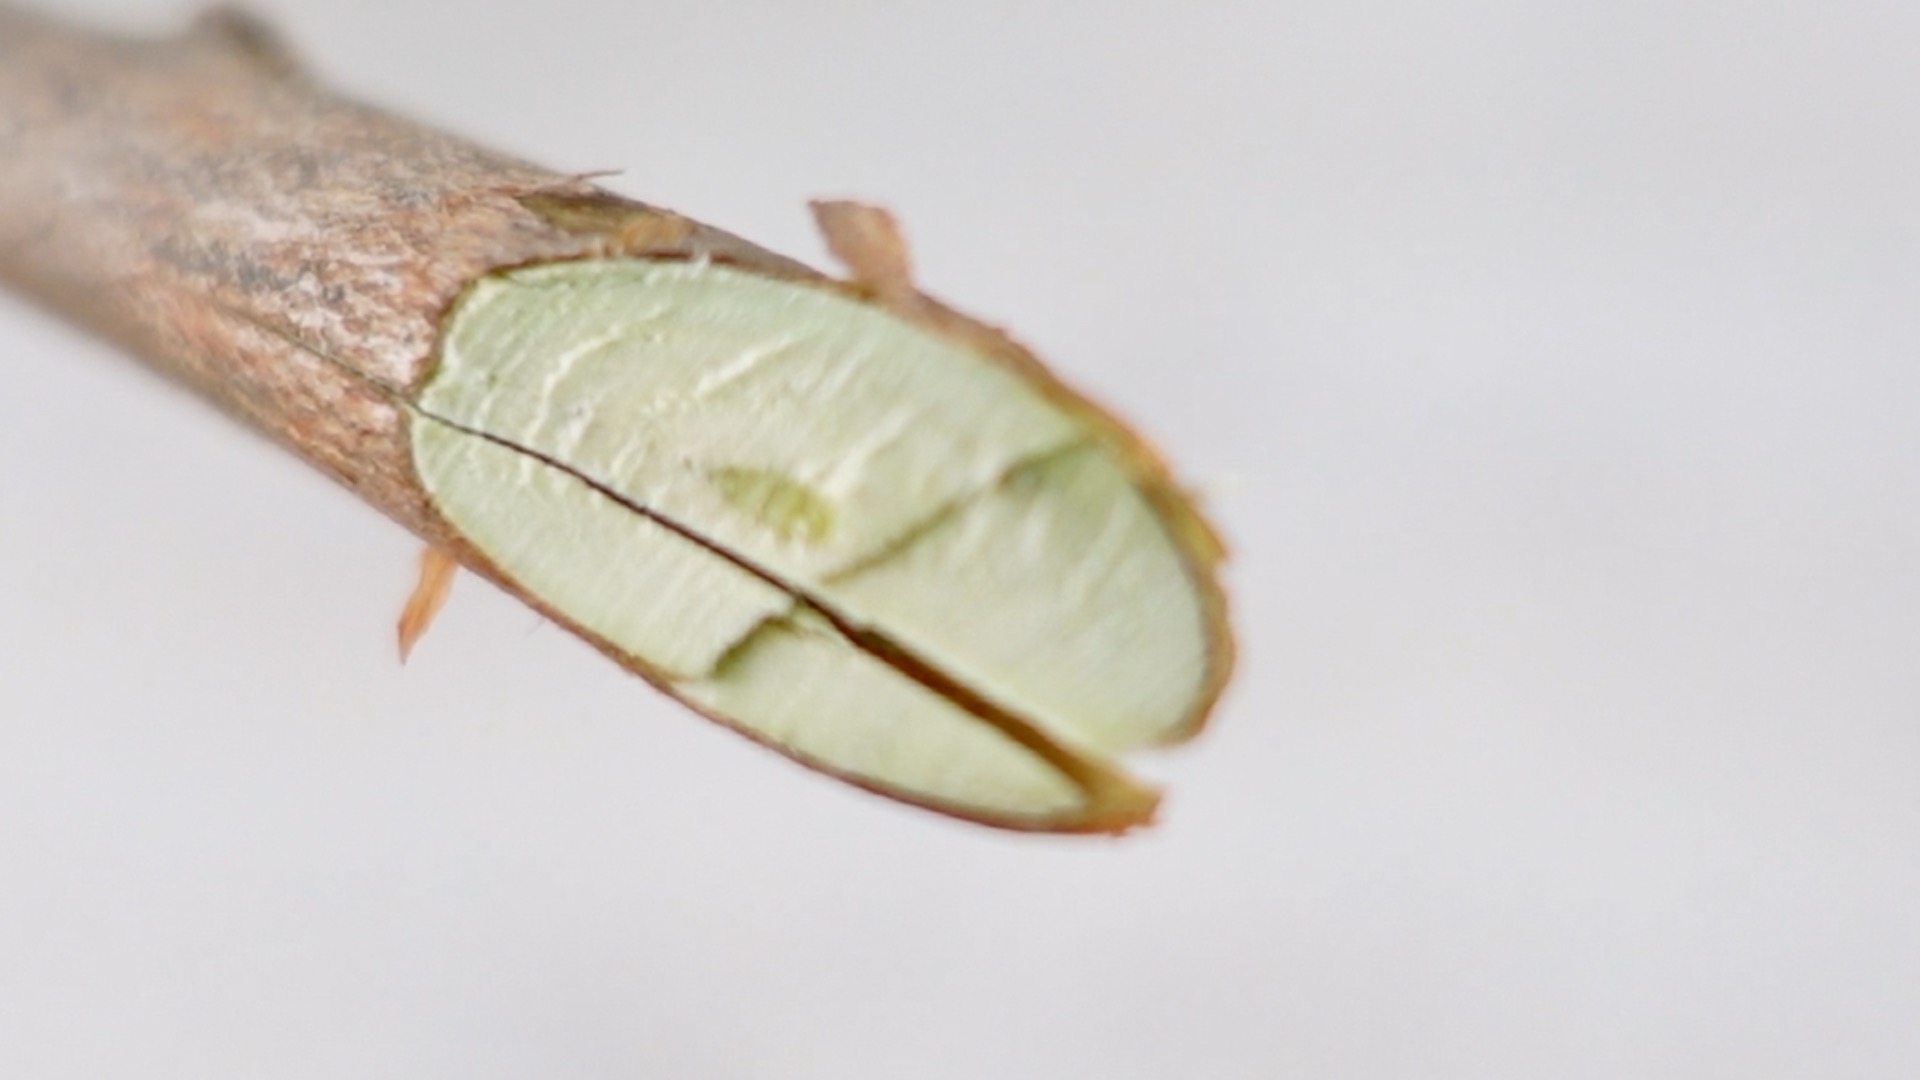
(1552,368)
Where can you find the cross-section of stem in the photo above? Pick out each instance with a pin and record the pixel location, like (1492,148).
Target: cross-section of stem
(834,515)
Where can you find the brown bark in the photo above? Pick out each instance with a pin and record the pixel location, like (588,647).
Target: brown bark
(288,253)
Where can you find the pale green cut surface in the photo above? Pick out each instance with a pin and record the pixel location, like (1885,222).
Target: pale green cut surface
(730,450)
(802,685)
(1096,628)
(653,593)
(726,639)
(668,382)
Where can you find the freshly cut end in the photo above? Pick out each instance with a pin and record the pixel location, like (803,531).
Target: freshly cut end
(801,685)
(663,600)
(878,548)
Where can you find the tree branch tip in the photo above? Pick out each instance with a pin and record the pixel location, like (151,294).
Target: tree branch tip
(374,294)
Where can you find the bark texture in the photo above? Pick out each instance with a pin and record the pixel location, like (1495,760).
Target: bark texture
(287,252)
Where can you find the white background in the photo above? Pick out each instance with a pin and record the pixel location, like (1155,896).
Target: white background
(1551,367)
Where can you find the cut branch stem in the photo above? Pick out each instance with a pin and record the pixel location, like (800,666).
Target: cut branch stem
(339,278)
